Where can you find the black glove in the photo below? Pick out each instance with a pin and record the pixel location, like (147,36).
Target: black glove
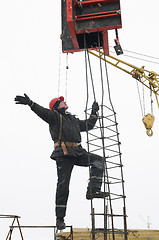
(95,108)
(23,100)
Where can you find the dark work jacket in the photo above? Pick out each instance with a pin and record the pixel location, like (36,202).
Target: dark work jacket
(71,128)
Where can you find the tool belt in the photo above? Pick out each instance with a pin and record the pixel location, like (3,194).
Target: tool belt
(64,144)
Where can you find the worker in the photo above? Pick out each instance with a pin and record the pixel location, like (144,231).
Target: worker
(65,131)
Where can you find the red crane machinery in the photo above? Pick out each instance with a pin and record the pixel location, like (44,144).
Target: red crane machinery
(84,21)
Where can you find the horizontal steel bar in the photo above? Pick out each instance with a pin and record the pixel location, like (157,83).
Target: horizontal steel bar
(36,226)
(93,2)
(95,16)
(109,231)
(8,216)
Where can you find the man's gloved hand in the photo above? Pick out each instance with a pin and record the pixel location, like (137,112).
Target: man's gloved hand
(23,100)
(95,108)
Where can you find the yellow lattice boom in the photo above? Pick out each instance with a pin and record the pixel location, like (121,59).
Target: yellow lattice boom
(149,79)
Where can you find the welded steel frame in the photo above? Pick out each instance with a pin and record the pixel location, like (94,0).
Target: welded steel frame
(103,140)
(69,237)
(109,180)
(15,219)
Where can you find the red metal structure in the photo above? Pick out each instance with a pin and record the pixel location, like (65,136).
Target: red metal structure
(88,20)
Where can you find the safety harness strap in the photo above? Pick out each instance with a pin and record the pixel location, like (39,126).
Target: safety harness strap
(60,143)
(60,132)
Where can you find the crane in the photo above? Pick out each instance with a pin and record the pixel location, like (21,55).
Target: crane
(149,79)
(85,26)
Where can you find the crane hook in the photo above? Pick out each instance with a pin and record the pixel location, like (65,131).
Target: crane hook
(148,121)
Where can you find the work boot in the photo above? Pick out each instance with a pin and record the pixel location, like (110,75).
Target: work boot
(97,194)
(60,224)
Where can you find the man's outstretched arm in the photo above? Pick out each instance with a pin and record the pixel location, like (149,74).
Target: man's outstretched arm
(46,114)
(25,100)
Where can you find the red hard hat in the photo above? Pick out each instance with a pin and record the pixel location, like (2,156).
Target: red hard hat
(54,100)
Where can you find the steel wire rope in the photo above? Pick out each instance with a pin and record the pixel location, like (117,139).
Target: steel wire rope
(142,107)
(125,55)
(124,203)
(101,122)
(101,128)
(144,55)
(91,76)
(86,109)
(141,54)
(66,77)
(59,74)
(151,102)
(142,111)
(87,58)
(145,60)
(143,96)
(98,115)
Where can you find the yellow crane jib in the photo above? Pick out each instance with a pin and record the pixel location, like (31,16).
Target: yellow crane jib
(148,122)
(149,79)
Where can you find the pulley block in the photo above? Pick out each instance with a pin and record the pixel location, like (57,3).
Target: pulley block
(148,121)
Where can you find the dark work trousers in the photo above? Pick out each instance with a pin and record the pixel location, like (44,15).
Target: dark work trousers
(64,168)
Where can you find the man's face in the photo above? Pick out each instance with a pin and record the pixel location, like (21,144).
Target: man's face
(63,105)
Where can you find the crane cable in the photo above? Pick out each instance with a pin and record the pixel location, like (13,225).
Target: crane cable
(116,125)
(151,102)
(101,123)
(66,76)
(67,67)
(101,119)
(141,107)
(89,162)
(88,64)
(148,119)
(93,89)
(126,55)
(102,128)
(144,55)
(59,75)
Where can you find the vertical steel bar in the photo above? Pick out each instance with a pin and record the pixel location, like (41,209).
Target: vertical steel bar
(86,109)
(112,219)
(93,225)
(106,222)
(71,233)
(125,224)
(54,234)
(20,229)
(11,229)
(103,145)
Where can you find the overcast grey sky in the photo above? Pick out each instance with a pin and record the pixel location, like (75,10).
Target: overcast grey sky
(30,50)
